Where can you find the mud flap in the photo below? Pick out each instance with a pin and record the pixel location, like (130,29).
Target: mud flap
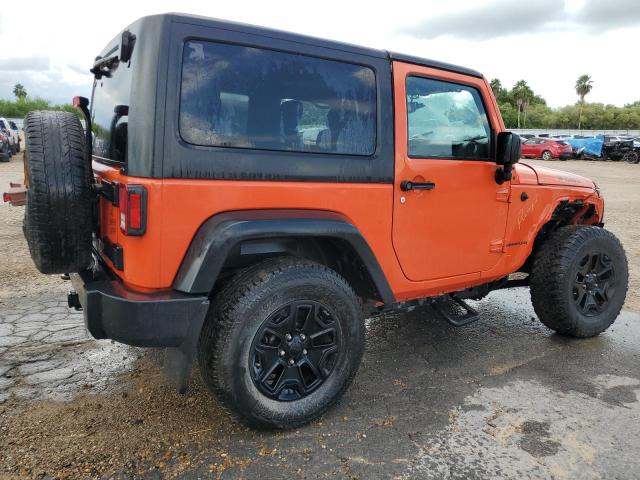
(178,361)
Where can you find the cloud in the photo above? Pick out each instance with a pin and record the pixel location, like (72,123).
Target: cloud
(499,18)
(21,64)
(503,18)
(602,15)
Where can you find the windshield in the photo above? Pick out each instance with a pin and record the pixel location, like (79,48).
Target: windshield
(110,113)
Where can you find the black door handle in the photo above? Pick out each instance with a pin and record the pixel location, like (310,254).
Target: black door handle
(406,185)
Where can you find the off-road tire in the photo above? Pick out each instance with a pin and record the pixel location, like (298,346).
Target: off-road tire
(546,155)
(58,214)
(555,273)
(236,315)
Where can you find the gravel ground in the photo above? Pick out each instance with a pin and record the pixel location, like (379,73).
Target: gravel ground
(18,275)
(501,398)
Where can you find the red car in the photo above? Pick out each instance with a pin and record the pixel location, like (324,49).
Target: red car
(546,149)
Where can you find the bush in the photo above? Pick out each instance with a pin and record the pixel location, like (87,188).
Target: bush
(19,108)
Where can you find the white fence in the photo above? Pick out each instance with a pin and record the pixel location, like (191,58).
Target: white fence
(586,133)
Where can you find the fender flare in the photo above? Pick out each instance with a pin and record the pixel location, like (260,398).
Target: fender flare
(220,234)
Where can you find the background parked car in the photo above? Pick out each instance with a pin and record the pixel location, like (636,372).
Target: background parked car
(15,130)
(5,149)
(14,140)
(546,149)
(619,148)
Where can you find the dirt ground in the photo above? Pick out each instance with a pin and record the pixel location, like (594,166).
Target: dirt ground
(502,398)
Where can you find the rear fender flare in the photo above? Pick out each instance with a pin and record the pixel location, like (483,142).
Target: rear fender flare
(218,236)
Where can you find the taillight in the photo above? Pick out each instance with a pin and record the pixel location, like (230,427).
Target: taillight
(132,201)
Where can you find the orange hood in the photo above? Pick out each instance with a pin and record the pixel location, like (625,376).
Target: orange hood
(551,176)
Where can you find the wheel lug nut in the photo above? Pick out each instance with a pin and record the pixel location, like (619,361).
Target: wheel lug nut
(291,361)
(303,337)
(288,337)
(304,351)
(282,353)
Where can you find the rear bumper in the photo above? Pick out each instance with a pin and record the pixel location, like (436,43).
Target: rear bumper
(158,319)
(565,155)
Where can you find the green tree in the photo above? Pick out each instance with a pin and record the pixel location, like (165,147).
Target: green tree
(584,84)
(19,91)
(501,93)
(522,95)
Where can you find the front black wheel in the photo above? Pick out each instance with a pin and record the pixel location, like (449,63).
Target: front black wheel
(579,281)
(282,342)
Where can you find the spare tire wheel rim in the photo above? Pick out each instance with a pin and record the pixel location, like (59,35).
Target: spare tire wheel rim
(594,283)
(295,350)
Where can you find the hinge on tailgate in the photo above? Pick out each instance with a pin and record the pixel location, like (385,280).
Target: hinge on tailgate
(108,190)
(502,195)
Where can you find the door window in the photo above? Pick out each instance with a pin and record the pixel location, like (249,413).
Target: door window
(446,120)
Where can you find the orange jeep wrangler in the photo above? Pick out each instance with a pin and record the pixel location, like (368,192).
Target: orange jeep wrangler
(247,197)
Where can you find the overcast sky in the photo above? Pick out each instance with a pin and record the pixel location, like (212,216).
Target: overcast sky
(48,46)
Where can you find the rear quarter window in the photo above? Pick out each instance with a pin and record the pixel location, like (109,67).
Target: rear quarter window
(110,113)
(253,98)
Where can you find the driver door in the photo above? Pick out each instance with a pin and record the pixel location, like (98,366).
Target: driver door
(449,213)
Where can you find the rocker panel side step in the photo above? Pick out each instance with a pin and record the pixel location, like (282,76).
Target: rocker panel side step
(470,315)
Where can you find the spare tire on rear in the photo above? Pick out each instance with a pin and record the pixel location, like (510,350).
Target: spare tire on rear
(58,215)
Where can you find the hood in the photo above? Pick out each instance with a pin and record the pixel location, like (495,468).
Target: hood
(551,176)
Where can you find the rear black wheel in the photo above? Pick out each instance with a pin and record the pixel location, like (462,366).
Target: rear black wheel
(579,281)
(295,350)
(282,342)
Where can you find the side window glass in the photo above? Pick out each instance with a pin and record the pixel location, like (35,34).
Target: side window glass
(244,97)
(446,120)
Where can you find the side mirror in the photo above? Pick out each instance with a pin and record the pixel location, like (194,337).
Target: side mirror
(507,154)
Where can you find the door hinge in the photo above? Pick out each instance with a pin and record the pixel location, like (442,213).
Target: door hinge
(496,246)
(503,195)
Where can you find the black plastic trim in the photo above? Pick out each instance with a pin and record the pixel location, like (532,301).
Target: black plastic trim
(217,237)
(113,252)
(158,319)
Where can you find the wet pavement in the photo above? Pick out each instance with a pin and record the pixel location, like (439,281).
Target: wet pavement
(45,351)
(501,398)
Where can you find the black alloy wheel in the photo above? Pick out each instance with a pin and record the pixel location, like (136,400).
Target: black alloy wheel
(594,284)
(295,350)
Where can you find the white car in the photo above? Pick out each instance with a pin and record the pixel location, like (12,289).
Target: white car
(14,140)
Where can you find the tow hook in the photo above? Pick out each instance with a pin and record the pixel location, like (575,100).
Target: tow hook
(74,301)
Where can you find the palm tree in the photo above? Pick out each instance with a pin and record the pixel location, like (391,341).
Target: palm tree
(19,91)
(584,84)
(522,95)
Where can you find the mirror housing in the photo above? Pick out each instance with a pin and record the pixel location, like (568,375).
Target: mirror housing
(508,149)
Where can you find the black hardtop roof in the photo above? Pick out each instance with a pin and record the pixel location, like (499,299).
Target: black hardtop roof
(319,42)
